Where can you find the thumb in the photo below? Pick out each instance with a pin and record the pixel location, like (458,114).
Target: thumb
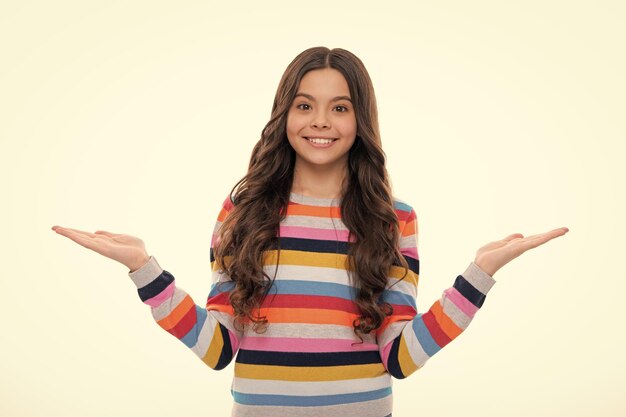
(513,236)
(104,232)
(499,243)
(503,242)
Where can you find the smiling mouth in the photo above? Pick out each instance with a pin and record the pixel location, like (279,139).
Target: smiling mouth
(320,141)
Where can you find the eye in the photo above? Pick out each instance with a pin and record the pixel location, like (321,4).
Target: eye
(299,106)
(345,109)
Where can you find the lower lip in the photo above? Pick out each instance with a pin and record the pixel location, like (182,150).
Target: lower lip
(321,145)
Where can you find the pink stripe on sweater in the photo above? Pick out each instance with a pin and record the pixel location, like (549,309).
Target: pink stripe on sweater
(412,252)
(461,302)
(384,354)
(234,343)
(158,299)
(311,233)
(296,344)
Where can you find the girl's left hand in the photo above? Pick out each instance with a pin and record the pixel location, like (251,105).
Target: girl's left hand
(495,255)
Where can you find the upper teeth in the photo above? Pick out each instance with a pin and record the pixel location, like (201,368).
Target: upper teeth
(320,140)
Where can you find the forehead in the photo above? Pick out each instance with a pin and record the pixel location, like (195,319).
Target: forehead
(324,83)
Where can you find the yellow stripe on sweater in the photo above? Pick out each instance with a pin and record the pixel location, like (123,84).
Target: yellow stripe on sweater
(215,348)
(404,358)
(305,373)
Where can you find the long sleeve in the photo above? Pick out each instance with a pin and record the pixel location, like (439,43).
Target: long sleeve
(207,331)
(407,339)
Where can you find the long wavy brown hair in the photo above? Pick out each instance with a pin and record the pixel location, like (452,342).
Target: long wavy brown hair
(261,197)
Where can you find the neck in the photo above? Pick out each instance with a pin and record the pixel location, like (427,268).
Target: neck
(318,182)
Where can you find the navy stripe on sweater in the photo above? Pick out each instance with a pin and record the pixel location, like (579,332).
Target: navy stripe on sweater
(227,351)
(308,359)
(155,287)
(393,366)
(469,291)
(321,246)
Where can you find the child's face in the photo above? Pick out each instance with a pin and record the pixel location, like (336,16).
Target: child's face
(319,113)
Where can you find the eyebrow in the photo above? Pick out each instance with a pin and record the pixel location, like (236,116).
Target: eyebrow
(310,97)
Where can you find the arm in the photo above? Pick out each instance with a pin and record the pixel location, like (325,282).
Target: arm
(406,339)
(209,332)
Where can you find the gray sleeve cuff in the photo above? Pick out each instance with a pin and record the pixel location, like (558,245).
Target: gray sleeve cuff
(481,280)
(147,273)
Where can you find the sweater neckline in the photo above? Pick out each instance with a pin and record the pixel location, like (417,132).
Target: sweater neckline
(314,201)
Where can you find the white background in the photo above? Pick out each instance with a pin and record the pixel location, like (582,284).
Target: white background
(138,117)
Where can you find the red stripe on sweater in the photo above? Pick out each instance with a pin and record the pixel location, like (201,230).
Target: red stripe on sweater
(310,301)
(435,331)
(219,299)
(185,324)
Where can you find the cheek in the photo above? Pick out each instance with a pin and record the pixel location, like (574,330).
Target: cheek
(349,127)
(291,130)
(292,125)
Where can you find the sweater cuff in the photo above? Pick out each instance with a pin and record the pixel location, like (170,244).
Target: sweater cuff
(147,273)
(481,280)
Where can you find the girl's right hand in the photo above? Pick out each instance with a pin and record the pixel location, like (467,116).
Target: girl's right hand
(126,249)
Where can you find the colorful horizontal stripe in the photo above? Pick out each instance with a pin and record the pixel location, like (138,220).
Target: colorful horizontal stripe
(303,344)
(309,362)
(310,400)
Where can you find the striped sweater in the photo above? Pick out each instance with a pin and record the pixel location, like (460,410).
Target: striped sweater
(309,362)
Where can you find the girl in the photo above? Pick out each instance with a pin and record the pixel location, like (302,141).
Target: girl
(315,263)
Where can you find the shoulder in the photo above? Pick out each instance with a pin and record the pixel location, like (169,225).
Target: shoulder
(404,210)
(227,207)
(407,218)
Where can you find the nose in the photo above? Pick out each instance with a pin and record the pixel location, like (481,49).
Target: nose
(320,120)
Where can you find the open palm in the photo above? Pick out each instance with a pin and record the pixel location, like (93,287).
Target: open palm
(495,255)
(131,251)
(126,249)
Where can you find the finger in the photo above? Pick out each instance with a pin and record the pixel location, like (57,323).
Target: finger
(79,238)
(551,234)
(537,240)
(75,234)
(81,232)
